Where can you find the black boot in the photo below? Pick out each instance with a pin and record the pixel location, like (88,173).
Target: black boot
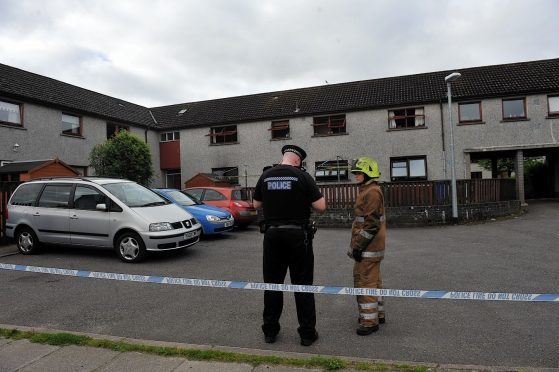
(364,331)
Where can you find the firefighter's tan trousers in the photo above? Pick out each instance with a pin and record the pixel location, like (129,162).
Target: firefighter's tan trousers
(366,274)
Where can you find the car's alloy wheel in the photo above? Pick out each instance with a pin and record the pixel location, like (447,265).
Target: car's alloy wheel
(26,241)
(130,247)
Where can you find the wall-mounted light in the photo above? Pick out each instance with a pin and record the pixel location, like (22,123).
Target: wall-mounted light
(15,147)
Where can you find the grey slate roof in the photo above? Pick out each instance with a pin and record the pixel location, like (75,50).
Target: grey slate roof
(505,80)
(477,82)
(30,87)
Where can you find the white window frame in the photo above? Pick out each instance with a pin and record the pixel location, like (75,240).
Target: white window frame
(8,108)
(169,136)
(70,119)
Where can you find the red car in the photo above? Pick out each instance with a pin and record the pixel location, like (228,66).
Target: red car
(233,199)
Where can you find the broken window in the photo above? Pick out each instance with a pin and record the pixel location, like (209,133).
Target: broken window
(280,129)
(406,118)
(223,135)
(331,170)
(329,125)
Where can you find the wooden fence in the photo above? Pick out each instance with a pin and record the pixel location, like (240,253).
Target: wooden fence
(422,193)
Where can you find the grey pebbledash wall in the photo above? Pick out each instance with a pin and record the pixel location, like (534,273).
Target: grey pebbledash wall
(425,215)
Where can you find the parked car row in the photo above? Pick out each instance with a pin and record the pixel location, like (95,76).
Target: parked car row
(121,214)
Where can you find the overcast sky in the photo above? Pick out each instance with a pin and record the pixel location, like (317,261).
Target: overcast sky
(157,53)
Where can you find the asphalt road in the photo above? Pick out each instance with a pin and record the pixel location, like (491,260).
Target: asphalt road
(518,255)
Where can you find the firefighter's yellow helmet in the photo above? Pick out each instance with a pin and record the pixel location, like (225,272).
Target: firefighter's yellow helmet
(366,165)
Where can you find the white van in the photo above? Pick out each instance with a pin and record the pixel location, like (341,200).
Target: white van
(103,212)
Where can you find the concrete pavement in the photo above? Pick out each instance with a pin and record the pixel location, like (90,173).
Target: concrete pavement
(22,355)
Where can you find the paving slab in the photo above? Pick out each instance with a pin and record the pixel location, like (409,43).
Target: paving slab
(20,353)
(139,362)
(3,341)
(199,366)
(73,358)
(267,368)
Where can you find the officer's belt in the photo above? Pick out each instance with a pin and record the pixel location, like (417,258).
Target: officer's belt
(287,226)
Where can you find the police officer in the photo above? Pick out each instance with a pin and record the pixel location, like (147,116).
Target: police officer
(286,193)
(367,243)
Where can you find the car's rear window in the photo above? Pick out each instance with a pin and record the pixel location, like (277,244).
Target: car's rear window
(26,194)
(239,195)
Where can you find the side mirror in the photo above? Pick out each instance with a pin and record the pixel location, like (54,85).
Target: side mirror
(101,207)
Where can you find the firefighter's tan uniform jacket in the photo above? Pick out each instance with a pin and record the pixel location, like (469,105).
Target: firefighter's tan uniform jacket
(368,234)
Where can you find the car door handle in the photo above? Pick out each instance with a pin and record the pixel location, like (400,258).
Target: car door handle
(36,215)
(74,217)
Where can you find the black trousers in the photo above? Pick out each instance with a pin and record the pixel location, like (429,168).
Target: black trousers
(286,249)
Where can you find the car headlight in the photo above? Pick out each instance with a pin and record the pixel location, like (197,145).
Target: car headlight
(211,218)
(160,226)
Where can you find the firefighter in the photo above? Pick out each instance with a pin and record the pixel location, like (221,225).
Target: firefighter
(367,243)
(286,193)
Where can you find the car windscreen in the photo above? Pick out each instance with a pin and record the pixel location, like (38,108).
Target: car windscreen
(181,198)
(239,195)
(135,195)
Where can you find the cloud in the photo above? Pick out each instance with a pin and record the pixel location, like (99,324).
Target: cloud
(165,52)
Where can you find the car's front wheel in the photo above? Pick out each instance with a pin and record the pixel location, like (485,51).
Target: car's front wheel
(27,241)
(130,247)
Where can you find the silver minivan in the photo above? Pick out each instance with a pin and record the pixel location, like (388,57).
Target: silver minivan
(101,212)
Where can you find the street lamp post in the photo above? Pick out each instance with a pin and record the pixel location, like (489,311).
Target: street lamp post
(449,79)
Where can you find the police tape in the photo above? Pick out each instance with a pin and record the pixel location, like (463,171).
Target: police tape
(404,293)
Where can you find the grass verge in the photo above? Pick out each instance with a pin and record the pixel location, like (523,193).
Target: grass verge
(326,363)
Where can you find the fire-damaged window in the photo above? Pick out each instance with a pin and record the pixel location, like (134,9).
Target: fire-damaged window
(408,168)
(223,135)
(329,125)
(406,118)
(230,174)
(280,129)
(331,170)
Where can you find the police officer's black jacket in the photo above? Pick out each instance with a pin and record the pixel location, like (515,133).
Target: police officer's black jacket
(287,193)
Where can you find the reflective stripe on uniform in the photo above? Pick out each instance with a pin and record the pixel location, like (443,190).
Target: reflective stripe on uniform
(366,235)
(359,219)
(373,254)
(369,305)
(368,316)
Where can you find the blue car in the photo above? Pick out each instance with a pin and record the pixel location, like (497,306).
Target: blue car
(214,220)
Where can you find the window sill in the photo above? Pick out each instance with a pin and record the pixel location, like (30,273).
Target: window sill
(280,139)
(330,135)
(72,136)
(514,119)
(13,126)
(466,123)
(553,116)
(404,129)
(224,144)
